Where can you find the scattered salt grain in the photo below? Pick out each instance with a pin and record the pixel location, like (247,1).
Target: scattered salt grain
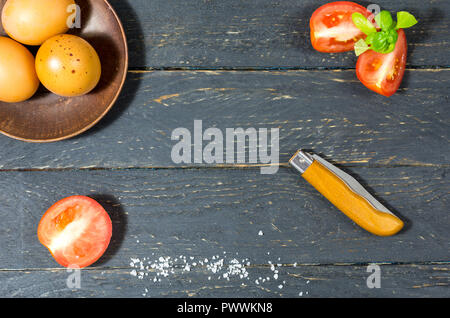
(222,267)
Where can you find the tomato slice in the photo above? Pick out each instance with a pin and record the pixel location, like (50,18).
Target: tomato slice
(383,73)
(332,28)
(76,231)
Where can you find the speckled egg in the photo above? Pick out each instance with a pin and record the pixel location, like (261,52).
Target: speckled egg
(68,65)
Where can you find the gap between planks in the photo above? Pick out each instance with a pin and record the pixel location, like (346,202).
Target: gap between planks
(364,264)
(426,68)
(224,166)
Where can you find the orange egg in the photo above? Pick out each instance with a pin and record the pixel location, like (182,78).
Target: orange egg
(68,65)
(18,79)
(31,22)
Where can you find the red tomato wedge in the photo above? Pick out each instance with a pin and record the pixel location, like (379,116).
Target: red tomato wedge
(383,73)
(332,28)
(76,231)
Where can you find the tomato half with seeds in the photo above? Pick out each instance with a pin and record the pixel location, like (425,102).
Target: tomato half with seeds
(383,73)
(332,28)
(76,230)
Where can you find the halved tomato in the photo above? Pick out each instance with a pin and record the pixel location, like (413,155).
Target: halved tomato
(76,231)
(383,73)
(332,28)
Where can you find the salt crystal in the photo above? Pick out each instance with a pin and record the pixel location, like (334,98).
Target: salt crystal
(163,266)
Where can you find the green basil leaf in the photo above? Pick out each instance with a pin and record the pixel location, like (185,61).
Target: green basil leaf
(363,24)
(390,48)
(405,20)
(361,47)
(392,36)
(384,20)
(369,39)
(380,42)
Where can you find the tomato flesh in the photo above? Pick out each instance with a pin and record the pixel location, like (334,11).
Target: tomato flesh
(383,73)
(76,231)
(332,28)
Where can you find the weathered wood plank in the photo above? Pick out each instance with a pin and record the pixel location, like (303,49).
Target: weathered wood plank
(299,282)
(206,212)
(259,34)
(328,111)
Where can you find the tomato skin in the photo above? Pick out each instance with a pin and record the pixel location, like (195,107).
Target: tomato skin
(383,73)
(76,230)
(332,28)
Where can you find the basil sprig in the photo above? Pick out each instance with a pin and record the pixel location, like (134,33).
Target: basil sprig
(381,40)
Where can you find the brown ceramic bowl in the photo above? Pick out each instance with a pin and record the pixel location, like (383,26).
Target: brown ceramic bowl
(47,117)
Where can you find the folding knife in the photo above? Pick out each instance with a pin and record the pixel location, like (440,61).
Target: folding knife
(347,194)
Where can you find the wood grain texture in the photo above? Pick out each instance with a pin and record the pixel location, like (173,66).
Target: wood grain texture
(397,148)
(259,34)
(327,111)
(300,282)
(205,212)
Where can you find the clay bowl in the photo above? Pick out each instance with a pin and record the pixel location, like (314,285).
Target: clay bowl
(47,117)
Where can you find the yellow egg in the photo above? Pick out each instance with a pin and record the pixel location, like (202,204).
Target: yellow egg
(68,65)
(18,79)
(32,22)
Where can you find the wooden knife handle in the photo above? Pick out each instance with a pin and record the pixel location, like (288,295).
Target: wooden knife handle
(350,203)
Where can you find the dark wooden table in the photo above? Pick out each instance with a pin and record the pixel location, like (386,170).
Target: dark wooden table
(244,64)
